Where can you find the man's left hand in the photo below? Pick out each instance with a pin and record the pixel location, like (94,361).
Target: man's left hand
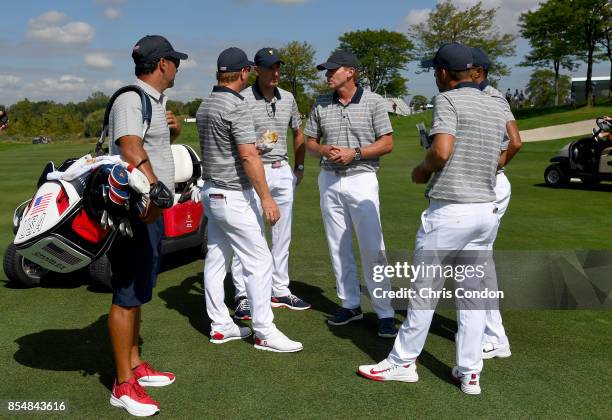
(298,175)
(342,155)
(173,124)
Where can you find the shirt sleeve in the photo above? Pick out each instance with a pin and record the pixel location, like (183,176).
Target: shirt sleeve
(505,142)
(444,120)
(125,118)
(242,125)
(296,118)
(380,119)
(313,126)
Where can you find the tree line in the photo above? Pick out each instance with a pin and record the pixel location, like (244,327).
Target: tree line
(561,33)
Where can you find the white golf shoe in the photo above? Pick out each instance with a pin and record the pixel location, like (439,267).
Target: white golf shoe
(491,350)
(234,333)
(278,343)
(387,371)
(470,383)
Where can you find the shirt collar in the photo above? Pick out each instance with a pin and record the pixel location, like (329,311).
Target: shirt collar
(483,84)
(354,100)
(467,85)
(219,88)
(258,95)
(150,90)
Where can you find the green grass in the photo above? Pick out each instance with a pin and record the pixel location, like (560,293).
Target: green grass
(54,344)
(544,117)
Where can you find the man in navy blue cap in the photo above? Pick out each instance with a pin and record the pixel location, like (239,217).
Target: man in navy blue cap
(136,260)
(274,110)
(350,130)
(495,342)
(468,128)
(233,175)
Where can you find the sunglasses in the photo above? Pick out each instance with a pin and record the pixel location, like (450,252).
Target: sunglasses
(176,62)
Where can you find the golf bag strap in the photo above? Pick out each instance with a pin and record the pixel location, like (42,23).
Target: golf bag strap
(147,112)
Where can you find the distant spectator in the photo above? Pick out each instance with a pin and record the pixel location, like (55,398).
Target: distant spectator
(509,96)
(3,121)
(521,98)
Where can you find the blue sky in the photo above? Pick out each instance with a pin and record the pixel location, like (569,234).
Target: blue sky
(64,50)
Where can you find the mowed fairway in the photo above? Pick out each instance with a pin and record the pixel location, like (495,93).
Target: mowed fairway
(54,342)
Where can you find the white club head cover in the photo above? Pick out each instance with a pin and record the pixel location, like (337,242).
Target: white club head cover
(195,194)
(138,182)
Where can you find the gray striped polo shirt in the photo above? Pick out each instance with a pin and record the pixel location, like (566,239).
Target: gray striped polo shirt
(125,119)
(275,115)
(478,123)
(357,124)
(224,121)
(508,115)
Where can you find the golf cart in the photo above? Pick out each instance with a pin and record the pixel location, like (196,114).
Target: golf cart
(68,224)
(589,159)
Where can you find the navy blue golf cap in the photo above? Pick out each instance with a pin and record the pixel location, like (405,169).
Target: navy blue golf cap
(154,47)
(338,59)
(451,56)
(233,59)
(480,59)
(267,57)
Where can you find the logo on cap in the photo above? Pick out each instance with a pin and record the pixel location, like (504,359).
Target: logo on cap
(270,52)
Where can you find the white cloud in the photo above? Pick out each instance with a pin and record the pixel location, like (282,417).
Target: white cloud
(112,13)
(46,27)
(9,80)
(417,16)
(64,84)
(98,61)
(190,63)
(112,84)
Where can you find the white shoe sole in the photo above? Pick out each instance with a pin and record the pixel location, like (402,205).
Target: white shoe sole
(387,335)
(470,390)
(266,348)
(355,318)
(138,412)
(284,305)
(153,382)
(232,338)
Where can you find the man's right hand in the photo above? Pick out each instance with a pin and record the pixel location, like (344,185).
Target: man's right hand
(270,209)
(151,213)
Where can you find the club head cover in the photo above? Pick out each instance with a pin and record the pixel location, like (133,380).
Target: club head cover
(161,196)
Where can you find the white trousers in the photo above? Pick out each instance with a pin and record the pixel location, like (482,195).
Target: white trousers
(448,226)
(281,183)
(235,229)
(347,203)
(494,330)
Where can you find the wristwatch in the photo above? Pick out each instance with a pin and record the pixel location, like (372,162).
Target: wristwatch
(298,168)
(357,153)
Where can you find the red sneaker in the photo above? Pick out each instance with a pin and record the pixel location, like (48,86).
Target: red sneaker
(147,376)
(133,397)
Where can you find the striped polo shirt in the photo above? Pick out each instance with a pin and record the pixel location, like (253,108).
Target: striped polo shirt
(357,124)
(125,119)
(274,115)
(478,123)
(509,116)
(224,121)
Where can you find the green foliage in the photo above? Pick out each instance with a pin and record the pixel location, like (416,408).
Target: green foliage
(550,38)
(299,72)
(418,102)
(541,88)
(93,123)
(473,26)
(191,107)
(382,55)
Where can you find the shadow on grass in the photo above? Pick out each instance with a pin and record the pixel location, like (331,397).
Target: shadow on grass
(603,187)
(85,350)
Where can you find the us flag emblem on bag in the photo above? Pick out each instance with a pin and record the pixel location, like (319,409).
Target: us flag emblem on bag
(41,203)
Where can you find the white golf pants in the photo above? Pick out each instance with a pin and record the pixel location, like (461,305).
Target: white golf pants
(235,229)
(347,203)
(281,183)
(494,330)
(448,226)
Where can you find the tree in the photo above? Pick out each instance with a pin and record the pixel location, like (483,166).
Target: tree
(382,55)
(191,107)
(474,26)
(591,19)
(606,43)
(546,30)
(95,101)
(93,123)
(298,72)
(541,88)
(418,102)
